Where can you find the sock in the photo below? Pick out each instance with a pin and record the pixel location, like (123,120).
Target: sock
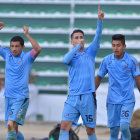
(126,135)
(92,137)
(11,135)
(20,136)
(114,132)
(63,135)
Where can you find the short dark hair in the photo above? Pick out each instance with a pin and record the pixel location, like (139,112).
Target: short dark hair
(76,31)
(119,37)
(18,38)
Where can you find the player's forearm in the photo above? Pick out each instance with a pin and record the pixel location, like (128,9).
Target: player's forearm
(35,45)
(68,56)
(137,79)
(1,26)
(95,45)
(97,81)
(98,34)
(138,86)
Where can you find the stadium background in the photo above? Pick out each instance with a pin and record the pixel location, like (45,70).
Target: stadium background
(51,23)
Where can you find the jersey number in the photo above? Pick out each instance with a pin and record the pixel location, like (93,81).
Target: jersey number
(125,113)
(11,112)
(89,118)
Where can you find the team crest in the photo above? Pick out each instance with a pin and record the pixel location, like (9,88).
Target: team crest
(20,61)
(19,114)
(124,65)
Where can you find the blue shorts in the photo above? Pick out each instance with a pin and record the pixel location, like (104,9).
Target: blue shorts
(119,113)
(15,109)
(84,105)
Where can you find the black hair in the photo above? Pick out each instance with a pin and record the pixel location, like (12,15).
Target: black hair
(119,37)
(18,38)
(76,31)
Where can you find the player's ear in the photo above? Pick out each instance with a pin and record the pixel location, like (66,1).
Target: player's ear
(71,41)
(84,41)
(23,47)
(124,46)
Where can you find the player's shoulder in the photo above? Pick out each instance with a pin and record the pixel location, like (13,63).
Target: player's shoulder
(25,54)
(109,57)
(6,51)
(130,57)
(4,48)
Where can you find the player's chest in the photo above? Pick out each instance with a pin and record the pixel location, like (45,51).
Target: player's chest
(82,59)
(119,67)
(14,64)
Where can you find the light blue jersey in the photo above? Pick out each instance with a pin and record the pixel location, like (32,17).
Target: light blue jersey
(81,66)
(17,72)
(121,74)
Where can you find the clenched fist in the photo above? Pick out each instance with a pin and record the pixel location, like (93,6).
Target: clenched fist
(1,25)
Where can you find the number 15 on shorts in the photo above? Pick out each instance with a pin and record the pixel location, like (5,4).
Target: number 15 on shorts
(89,118)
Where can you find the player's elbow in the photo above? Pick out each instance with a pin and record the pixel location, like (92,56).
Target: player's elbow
(65,62)
(38,50)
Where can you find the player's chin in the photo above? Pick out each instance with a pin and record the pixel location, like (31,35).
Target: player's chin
(116,53)
(15,54)
(82,46)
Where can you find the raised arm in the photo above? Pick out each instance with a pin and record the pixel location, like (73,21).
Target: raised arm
(1,26)
(35,45)
(94,46)
(2,50)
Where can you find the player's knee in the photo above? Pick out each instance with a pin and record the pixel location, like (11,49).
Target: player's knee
(66,125)
(124,127)
(10,126)
(90,131)
(114,132)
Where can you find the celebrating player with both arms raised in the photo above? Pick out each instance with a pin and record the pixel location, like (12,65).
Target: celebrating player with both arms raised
(17,72)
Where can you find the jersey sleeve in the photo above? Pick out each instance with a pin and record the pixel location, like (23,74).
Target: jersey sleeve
(135,67)
(102,69)
(29,56)
(68,56)
(95,45)
(3,52)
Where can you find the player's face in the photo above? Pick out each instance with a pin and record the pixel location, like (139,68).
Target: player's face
(16,48)
(78,38)
(118,48)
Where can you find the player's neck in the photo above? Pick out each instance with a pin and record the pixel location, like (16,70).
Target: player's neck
(118,57)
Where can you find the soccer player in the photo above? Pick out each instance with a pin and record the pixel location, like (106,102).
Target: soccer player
(81,98)
(123,71)
(17,71)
